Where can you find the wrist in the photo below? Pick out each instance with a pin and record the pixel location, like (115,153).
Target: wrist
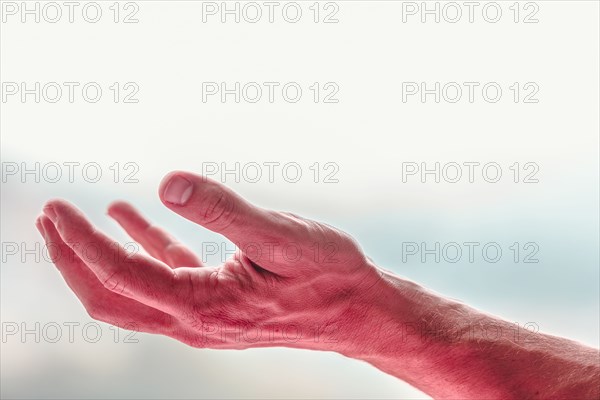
(383,315)
(397,322)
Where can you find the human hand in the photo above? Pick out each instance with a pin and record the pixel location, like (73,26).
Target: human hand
(310,298)
(294,282)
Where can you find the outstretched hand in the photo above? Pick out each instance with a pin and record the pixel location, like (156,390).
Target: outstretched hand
(293,282)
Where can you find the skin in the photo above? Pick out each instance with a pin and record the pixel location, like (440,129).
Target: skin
(303,284)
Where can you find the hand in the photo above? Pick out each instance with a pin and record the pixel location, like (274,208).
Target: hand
(294,282)
(298,283)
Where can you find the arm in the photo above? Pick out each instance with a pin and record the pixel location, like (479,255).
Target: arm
(450,350)
(298,283)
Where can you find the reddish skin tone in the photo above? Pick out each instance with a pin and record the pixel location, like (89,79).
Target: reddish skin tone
(340,302)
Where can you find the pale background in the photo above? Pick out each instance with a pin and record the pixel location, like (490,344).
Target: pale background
(369,133)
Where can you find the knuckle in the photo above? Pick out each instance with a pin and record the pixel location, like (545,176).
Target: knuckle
(219,209)
(158,232)
(153,230)
(178,251)
(115,282)
(82,240)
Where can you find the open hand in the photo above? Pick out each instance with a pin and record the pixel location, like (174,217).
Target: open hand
(294,282)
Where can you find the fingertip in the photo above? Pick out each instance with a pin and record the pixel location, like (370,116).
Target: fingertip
(46,224)
(50,212)
(52,238)
(69,220)
(58,202)
(126,215)
(55,207)
(38,225)
(118,207)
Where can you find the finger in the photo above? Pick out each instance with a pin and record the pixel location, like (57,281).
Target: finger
(259,233)
(156,241)
(100,303)
(136,276)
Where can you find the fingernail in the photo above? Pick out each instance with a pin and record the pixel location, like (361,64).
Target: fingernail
(49,211)
(178,190)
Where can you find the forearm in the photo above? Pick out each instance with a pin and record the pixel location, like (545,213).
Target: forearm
(449,350)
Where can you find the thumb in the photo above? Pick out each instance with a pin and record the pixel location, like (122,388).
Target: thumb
(256,231)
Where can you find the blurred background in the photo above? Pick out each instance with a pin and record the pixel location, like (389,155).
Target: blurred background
(356,123)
